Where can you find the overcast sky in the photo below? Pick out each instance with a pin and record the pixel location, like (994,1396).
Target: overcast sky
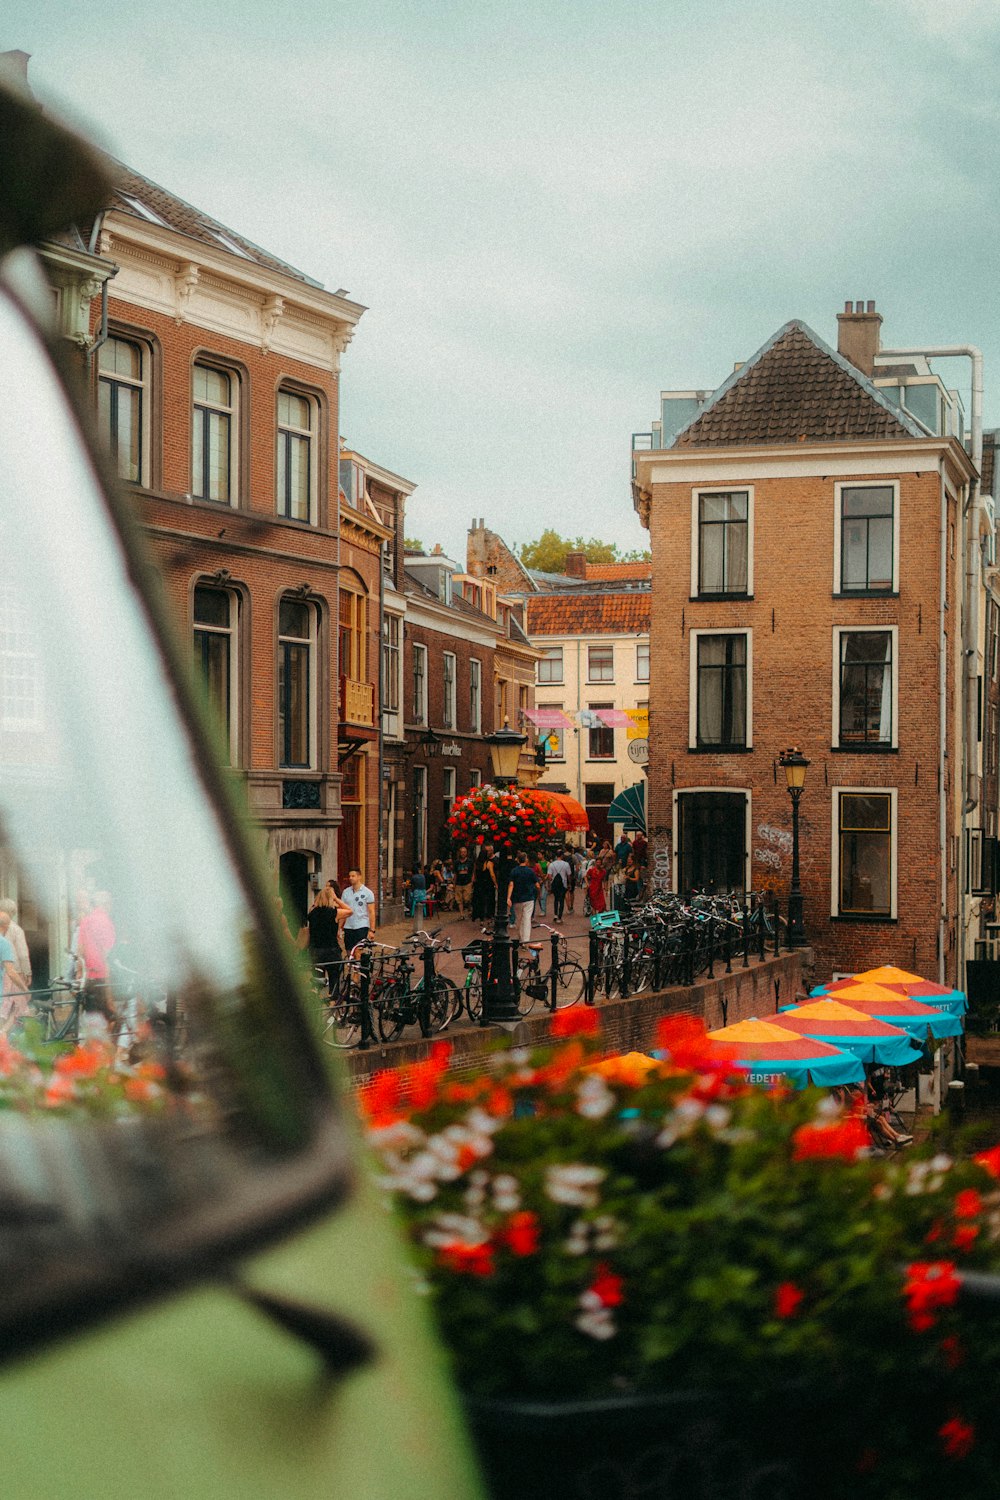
(553,210)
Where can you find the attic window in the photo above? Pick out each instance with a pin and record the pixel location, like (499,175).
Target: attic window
(226,242)
(137,206)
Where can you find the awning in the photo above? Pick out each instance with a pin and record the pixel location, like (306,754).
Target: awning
(568,813)
(629,807)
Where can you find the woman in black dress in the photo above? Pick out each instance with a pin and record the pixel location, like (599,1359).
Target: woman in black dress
(484,885)
(322,932)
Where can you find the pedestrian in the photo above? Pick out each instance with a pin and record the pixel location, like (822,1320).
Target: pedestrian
(559,879)
(14,1001)
(463,879)
(521,891)
(541,868)
(95,939)
(576,862)
(16,937)
(632,884)
(321,932)
(484,885)
(639,848)
(361,923)
(596,877)
(418,897)
(623,849)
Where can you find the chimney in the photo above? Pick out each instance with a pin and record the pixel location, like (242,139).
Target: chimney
(858,337)
(576,564)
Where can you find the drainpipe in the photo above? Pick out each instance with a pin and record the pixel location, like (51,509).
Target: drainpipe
(102,333)
(970,516)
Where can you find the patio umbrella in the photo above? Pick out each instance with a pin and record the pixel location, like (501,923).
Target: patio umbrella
(868,1038)
(567,811)
(629,807)
(899,1010)
(769,1051)
(940,996)
(631,1068)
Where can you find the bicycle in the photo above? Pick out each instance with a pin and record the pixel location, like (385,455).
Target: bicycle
(397,1005)
(561,985)
(57,1008)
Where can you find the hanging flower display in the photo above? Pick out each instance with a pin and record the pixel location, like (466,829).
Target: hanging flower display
(503,818)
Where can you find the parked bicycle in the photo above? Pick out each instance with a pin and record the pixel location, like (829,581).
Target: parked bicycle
(561,984)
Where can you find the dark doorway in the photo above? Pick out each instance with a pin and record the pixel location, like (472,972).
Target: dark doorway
(598,797)
(294,869)
(711,841)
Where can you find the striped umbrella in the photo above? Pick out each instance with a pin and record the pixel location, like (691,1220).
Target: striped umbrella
(899,1010)
(868,1038)
(770,1051)
(940,996)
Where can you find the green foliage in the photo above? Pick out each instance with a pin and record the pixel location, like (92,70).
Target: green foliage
(548,553)
(410,544)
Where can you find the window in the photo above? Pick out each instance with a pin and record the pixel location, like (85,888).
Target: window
(475,777)
(352,615)
(866,539)
(864,881)
(419,684)
(448,779)
(21,683)
(865,682)
(503,703)
(642,661)
(213,430)
(597,799)
(448,708)
(351,833)
(122,406)
(550,668)
(475,695)
(720,697)
(722,545)
(391,629)
(601,743)
(215,619)
(296,455)
(600,663)
(552,739)
(296,666)
(419,815)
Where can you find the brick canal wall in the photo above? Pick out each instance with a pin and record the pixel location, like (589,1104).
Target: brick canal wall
(626,1025)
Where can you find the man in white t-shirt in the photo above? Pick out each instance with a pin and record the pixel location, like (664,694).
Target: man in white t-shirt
(361,923)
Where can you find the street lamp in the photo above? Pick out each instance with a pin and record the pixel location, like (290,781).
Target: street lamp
(499,1000)
(794,765)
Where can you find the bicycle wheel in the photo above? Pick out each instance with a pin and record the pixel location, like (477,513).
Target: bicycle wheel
(391,1007)
(62,1015)
(571,983)
(446,1002)
(341,1023)
(473,995)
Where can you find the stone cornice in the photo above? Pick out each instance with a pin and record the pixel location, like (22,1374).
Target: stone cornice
(698,465)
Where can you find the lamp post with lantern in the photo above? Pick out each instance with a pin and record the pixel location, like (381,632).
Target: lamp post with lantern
(794,765)
(499,998)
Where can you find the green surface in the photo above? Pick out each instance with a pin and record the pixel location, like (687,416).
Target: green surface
(202,1396)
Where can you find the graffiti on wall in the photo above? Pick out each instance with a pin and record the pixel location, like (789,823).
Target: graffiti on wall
(773,846)
(660,881)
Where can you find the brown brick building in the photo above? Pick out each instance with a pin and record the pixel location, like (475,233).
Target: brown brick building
(808,540)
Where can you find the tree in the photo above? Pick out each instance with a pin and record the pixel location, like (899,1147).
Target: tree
(548,553)
(410,544)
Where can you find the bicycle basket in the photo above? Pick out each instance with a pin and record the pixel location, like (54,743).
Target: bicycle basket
(604,919)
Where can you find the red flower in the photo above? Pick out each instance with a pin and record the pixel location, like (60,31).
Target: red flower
(583,1022)
(953,1350)
(990,1160)
(468,1260)
(929,1286)
(380,1099)
(958,1438)
(523,1233)
(843,1138)
(965,1236)
(606,1286)
(968,1204)
(787,1297)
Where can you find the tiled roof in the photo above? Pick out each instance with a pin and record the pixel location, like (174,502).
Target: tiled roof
(166,208)
(989,464)
(618,572)
(461,606)
(589,614)
(796,389)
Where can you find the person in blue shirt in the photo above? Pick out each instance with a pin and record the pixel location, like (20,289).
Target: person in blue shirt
(521,892)
(418,897)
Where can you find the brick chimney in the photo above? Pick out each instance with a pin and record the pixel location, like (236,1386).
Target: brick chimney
(576,564)
(858,337)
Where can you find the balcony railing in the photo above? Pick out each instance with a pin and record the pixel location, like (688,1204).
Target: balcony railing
(357,703)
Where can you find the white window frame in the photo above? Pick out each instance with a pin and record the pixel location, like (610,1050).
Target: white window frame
(449,791)
(449,697)
(475,695)
(232,411)
(420,709)
(863,484)
(893,742)
(420,825)
(864,791)
(693,695)
(719,489)
(392,672)
(549,660)
(313,435)
(20,665)
(639,647)
(593,646)
(541,734)
(475,777)
(232,631)
(144,386)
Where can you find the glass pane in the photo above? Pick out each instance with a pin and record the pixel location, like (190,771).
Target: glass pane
(854,548)
(880,554)
(293,618)
(218,456)
(714,507)
(119,357)
(211,385)
(858,810)
(212,656)
(709,706)
(198,454)
(735,726)
(211,606)
(712,541)
(864,872)
(298,478)
(294,411)
(295,705)
(870,501)
(736,558)
(127,432)
(712,650)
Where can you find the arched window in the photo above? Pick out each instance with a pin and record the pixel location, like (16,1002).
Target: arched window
(123,405)
(216,647)
(298,467)
(215,393)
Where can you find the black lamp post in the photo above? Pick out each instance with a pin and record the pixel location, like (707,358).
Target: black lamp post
(499,1000)
(794,765)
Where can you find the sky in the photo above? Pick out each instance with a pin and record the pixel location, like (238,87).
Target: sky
(554,210)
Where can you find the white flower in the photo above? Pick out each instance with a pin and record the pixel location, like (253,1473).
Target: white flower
(447,1228)
(718,1116)
(601,1234)
(827,1109)
(595,1319)
(593,1098)
(396,1137)
(574,1183)
(506,1193)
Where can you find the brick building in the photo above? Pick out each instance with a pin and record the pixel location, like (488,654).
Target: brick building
(809,539)
(214,371)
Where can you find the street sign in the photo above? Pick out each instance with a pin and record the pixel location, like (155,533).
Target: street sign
(638,751)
